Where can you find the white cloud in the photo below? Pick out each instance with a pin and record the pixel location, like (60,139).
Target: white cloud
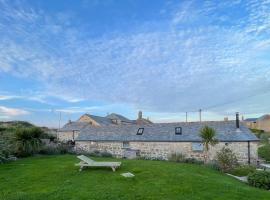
(202,59)
(11,112)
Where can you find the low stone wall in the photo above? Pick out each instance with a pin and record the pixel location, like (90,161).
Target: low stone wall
(162,150)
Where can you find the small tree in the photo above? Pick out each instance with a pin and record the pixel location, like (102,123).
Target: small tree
(208,138)
(226,159)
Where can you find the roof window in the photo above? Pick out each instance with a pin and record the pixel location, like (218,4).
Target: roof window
(140,131)
(178,130)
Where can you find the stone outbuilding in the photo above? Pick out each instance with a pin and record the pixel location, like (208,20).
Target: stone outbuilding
(72,129)
(160,140)
(261,123)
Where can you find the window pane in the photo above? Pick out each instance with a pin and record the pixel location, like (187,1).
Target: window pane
(197,146)
(178,130)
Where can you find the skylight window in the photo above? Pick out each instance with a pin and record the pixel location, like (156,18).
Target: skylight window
(140,131)
(178,130)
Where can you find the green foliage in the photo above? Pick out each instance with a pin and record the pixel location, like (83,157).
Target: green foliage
(208,137)
(54,149)
(177,157)
(6,147)
(243,170)
(264,152)
(56,177)
(263,136)
(260,179)
(97,153)
(226,159)
(27,141)
(213,165)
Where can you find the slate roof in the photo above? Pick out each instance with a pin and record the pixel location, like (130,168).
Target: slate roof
(74,126)
(264,117)
(226,131)
(103,121)
(250,119)
(119,117)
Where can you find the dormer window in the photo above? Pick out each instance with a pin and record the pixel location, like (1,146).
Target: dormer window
(178,130)
(140,131)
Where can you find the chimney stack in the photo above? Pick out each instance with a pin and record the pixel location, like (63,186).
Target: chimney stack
(140,115)
(237,122)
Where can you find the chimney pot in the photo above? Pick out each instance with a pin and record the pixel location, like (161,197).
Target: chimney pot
(237,121)
(140,115)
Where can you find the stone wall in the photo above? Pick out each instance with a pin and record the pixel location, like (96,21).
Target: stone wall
(86,118)
(162,150)
(264,125)
(67,135)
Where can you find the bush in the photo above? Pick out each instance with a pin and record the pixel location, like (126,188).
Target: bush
(264,152)
(260,179)
(177,157)
(264,137)
(213,165)
(61,148)
(27,141)
(6,147)
(243,170)
(106,154)
(96,153)
(226,159)
(193,161)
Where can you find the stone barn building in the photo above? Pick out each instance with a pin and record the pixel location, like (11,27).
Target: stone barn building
(160,140)
(72,129)
(261,123)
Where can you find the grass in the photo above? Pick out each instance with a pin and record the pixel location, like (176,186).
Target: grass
(56,177)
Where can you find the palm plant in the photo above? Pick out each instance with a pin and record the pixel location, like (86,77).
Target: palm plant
(208,139)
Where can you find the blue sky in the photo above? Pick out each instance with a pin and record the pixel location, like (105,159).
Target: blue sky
(162,57)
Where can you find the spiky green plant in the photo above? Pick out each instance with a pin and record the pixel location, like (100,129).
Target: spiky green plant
(27,141)
(208,139)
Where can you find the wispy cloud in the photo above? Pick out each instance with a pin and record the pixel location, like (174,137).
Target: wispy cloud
(7,112)
(205,56)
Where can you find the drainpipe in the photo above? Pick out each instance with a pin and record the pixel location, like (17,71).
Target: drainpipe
(249,152)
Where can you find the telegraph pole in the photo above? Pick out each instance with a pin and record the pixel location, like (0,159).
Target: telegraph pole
(59,122)
(186,116)
(200,114)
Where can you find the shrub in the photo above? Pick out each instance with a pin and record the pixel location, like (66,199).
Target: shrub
(105,154)
(177,157)
(194,161)
(60,148)
(260,179)
(264,152)
(213,165)
(95,153)
(264,137)
(27,141)
(243,170)
(226,159)
(6,147)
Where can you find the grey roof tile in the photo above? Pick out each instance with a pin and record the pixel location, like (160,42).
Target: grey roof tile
(119,117)
(251,119)
(103,121)
(74,126)
(226,131)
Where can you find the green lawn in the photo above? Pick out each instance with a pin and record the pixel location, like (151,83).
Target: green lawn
(56,177)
